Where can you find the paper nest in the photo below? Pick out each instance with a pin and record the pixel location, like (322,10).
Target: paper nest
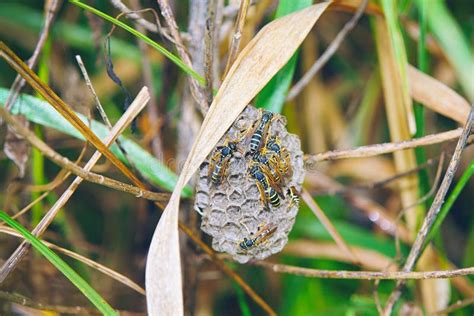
(233,209)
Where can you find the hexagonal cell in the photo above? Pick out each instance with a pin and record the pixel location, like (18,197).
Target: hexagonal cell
(249,206)
(237,208)
(235,195)
(217,217)
(233,211)
(234,180)
(218,197)
(201,200)
(251,190)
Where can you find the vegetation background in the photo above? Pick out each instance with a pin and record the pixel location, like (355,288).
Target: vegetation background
(365,94)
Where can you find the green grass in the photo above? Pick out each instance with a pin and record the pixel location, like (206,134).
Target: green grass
(419,109)
(62,266)
(176,60)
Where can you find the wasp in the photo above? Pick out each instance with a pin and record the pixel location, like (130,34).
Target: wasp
(263,233)
(269,167)
(259,132)
(220,161)
(281,156)
(268,193)
(294,196)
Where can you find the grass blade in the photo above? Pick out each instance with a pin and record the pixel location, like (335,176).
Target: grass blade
(418,108)
(400,58)
(62,266)
(178,62)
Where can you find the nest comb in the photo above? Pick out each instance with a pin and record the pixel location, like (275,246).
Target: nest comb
(233,210)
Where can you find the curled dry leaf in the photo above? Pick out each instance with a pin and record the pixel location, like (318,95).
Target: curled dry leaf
(258,62)
(437,96)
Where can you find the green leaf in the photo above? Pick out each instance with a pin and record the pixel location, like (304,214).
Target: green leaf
(178,62)
(244,306)
(40,112)
(419,109)
(273,95)
(62,266)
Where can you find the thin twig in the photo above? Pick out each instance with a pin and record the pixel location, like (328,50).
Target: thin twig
(99,106)
(328,53)
(137,105)
(430,218)
(428,194)
(58,309)
(65,163)
(91,263)
(237,35)
(52,8)
(62,175)
(308,199)
(138,19)
(173,27)
(209,40)
(385,148)
(454,307)
(101,110)
(363,275)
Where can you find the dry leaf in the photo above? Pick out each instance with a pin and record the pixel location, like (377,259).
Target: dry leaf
(258,62)
(397,116)
(437,96)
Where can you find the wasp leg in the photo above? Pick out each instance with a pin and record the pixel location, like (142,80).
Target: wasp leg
(246,227)
(276,185)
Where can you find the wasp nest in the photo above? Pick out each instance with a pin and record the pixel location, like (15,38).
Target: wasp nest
(237,210)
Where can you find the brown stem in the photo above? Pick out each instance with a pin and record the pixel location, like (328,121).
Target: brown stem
(209,41)
(237,35)
(52,8)
(363,275)
(170,20)
(379,149)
